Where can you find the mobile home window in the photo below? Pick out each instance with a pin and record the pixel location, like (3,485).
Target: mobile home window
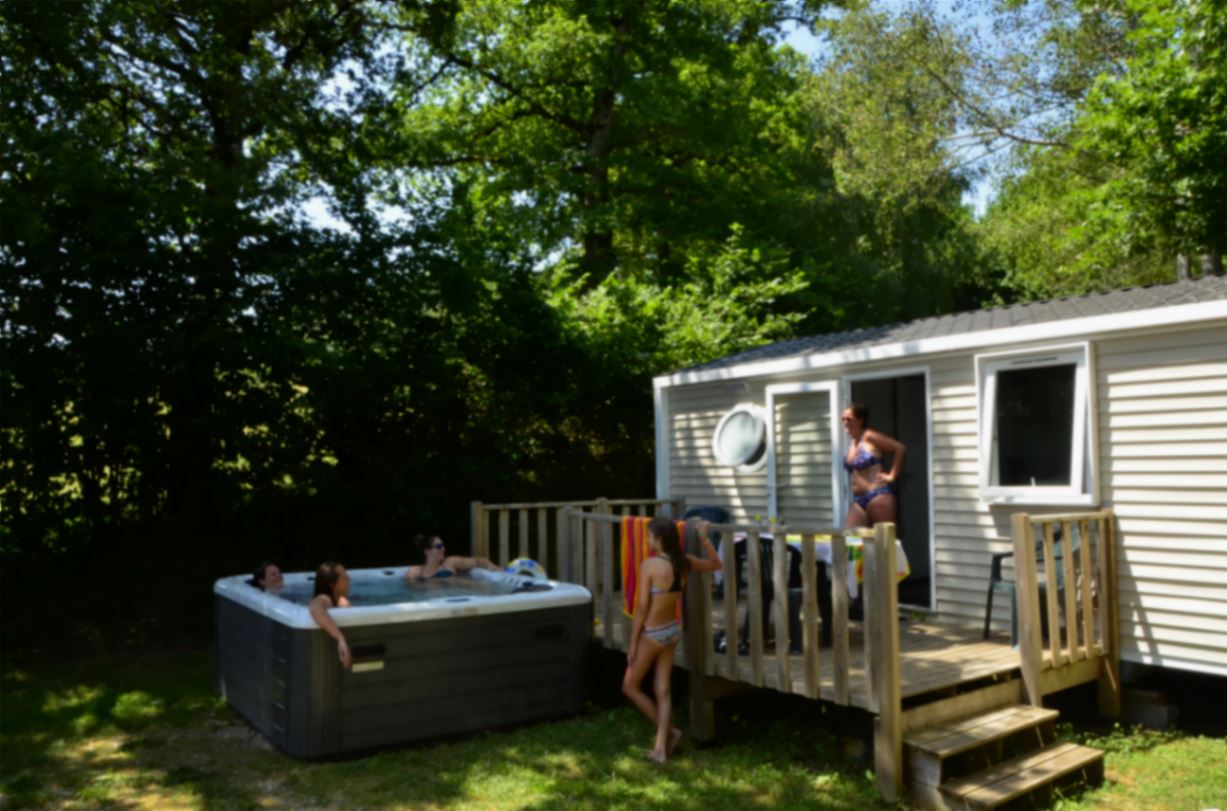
(1035,438)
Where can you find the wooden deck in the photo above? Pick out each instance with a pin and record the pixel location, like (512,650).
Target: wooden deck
(934,657)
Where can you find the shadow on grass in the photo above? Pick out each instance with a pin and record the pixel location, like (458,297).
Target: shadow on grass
(149,732)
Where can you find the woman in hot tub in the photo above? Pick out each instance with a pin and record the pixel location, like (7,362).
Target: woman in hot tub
(439,564)
(331,591)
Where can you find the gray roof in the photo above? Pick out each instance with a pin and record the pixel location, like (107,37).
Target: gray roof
(1192,291)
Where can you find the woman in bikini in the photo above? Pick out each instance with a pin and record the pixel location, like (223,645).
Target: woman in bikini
(657,629)
(873,493)
(437,563)
(331,591)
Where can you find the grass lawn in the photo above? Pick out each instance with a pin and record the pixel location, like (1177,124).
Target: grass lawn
(148,732)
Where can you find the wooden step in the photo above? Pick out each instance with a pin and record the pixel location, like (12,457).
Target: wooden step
(950,739)
(1034,772)
(966,745)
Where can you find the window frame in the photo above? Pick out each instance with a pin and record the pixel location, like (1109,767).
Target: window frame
(1083,489)
(755,463)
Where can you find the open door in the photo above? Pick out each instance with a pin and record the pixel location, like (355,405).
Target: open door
(898,407)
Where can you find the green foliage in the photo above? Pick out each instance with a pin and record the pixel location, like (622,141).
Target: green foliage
(1161,125)
(1134,172)
(531,210)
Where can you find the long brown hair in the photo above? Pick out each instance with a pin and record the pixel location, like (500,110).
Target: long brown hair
(326,577)
(665,530)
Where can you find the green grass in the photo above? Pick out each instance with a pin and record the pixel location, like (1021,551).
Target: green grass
(1147,770)
(148,733)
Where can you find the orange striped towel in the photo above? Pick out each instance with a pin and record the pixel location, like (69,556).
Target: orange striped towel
(635,550)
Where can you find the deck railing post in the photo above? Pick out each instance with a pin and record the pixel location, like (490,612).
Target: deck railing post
(840,657)
(884,619)
(590,571)
(697,619)
(477,539)
(780,611)
(1109,664)
(562,519)
(754,606)
(1027,600)
(811,636)
(504,535)
(606,534)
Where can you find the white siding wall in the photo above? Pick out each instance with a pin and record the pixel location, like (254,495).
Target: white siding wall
(803,459)
(694,474)
(1162,422)
(966,533)
(1163,457)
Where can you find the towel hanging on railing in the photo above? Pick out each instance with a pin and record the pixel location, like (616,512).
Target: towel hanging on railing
(635,550)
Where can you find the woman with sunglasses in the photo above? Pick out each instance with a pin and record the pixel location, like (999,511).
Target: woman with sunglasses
(437,563)
(873,487)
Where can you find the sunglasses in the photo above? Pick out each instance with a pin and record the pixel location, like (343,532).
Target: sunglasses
(438,546)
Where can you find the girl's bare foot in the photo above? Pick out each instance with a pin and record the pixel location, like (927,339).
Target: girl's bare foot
(656,757)
(675,737)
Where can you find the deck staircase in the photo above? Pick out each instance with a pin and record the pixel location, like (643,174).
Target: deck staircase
(1001,757)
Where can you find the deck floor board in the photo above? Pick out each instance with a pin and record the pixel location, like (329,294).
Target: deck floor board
(934,656)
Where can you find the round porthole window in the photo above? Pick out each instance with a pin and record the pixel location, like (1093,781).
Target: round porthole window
(740,439)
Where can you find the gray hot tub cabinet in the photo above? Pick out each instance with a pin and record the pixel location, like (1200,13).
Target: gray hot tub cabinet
(421,673)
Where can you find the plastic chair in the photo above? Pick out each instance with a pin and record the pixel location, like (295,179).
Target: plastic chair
(996,583)
(766,551)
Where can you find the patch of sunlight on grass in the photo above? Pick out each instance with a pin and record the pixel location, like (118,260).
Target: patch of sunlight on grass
(137,708)
(72,698)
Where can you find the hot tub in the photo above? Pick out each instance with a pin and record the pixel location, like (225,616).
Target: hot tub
(449,661)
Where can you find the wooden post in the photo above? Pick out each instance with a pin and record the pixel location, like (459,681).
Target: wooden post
(563,522)
(504,544)
(1109,665)
(605,532)
(869,641)
(754,606)
(1050,594)
(1086,580)
(1071,593)
(590,570)
(477,538)
(523,522)
(543,537)
(702,706)
(730,608)
(1027,597)
(840,660)
(602,508)
(780,612)
(810,637)
(888,730)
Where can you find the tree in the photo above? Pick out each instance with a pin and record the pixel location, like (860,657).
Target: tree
(1130,174)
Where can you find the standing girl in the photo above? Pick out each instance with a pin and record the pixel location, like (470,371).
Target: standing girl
(657,630)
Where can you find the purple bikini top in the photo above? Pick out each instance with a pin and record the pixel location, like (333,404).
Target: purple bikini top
(863,459)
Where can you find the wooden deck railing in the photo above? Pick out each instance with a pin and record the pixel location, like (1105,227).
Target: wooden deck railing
(540,531)
(595,538)
(1066,588)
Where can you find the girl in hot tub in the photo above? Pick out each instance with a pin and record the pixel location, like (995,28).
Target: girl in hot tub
(331,591)
(657,629)
(439,564)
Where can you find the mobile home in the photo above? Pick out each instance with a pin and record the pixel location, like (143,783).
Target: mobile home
(1115,400)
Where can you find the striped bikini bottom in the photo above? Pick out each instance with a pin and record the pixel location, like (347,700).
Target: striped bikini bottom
(665,635)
